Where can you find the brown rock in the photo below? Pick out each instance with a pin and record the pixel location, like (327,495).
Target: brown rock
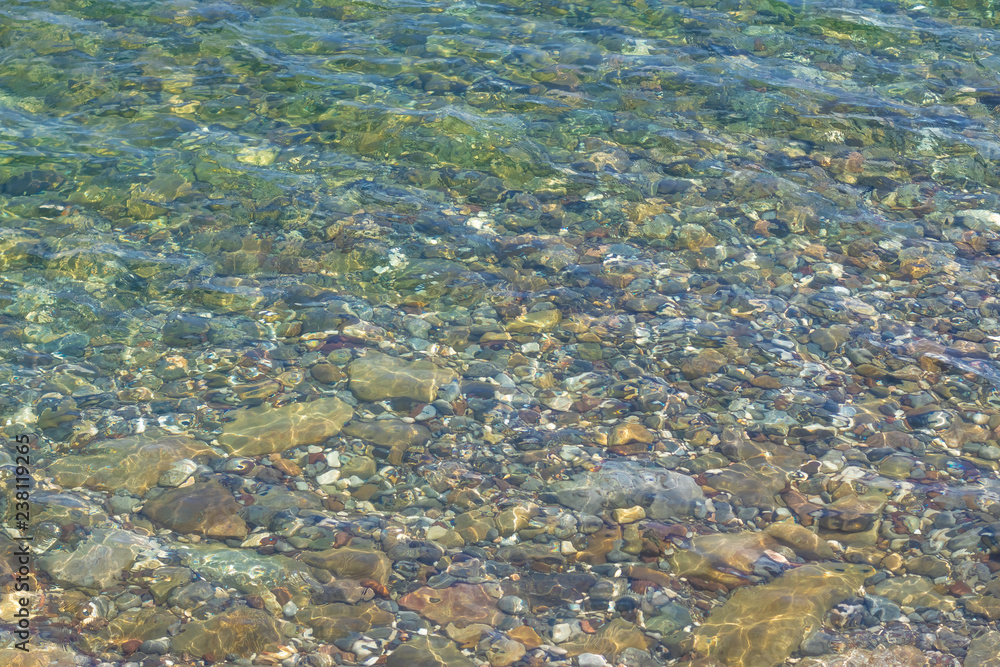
(130,646)
(766,382)
(290,468)
(503,652)
(207,508)
(754,484)
(599,545)
(870,371)
(928,566)
(241,630)
(763,625)
(914,591)
(805,543)
(536,322)
(428,651)
(984,650)
(331,622)
(722,557)
(896,439)
(351,562)
(37,657)
(466,636)
(327,373)
(829,339)
(704,363)
(468,603)
(397,435)
(915,269)
(623,434)
(805,511)
(640,573)
(853,514)
(984,606)
(526,635)
(610,640)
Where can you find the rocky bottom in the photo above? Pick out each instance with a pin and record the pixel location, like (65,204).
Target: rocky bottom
(516,333)
(401,521)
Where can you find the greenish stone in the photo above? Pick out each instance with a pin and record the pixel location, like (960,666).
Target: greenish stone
(241,631)
(134,463)
(376,377)
(267,430)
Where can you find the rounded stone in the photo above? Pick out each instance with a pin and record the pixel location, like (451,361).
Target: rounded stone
(511,604)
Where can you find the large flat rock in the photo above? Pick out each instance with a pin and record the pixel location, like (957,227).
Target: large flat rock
(377,376)
(206,508)
(97,562)
(267,430)
(241,631)
(395,434)
(134,463)
(351,563)
(761,626)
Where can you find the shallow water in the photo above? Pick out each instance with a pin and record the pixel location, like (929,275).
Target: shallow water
(502,333)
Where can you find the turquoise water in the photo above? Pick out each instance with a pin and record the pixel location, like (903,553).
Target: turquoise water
(740,255)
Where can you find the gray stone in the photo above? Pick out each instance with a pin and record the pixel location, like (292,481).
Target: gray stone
(155,646)
(177,473)
(561,632)
(928,566)
(967,540)
(123,504)
(97,562)
(990,453)
(592,660)
(672,617)
(882,609)
(511,604)
(620,484)
(188,597)
(818,643)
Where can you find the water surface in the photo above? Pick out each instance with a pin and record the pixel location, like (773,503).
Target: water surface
(675,298)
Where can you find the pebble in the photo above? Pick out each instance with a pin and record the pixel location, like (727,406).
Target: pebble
(328,477)
(591,660)
(511,604)
(561,632)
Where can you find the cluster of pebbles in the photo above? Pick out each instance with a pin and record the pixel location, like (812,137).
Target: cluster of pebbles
(534,485)
(631,345)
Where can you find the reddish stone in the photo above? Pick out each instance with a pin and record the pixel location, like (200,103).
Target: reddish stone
(333,504)
(468,603)
(959,588)
(706,585)
(131,646)
(287,467)
(529,416)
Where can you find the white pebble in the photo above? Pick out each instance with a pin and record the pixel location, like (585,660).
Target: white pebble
(328,477)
